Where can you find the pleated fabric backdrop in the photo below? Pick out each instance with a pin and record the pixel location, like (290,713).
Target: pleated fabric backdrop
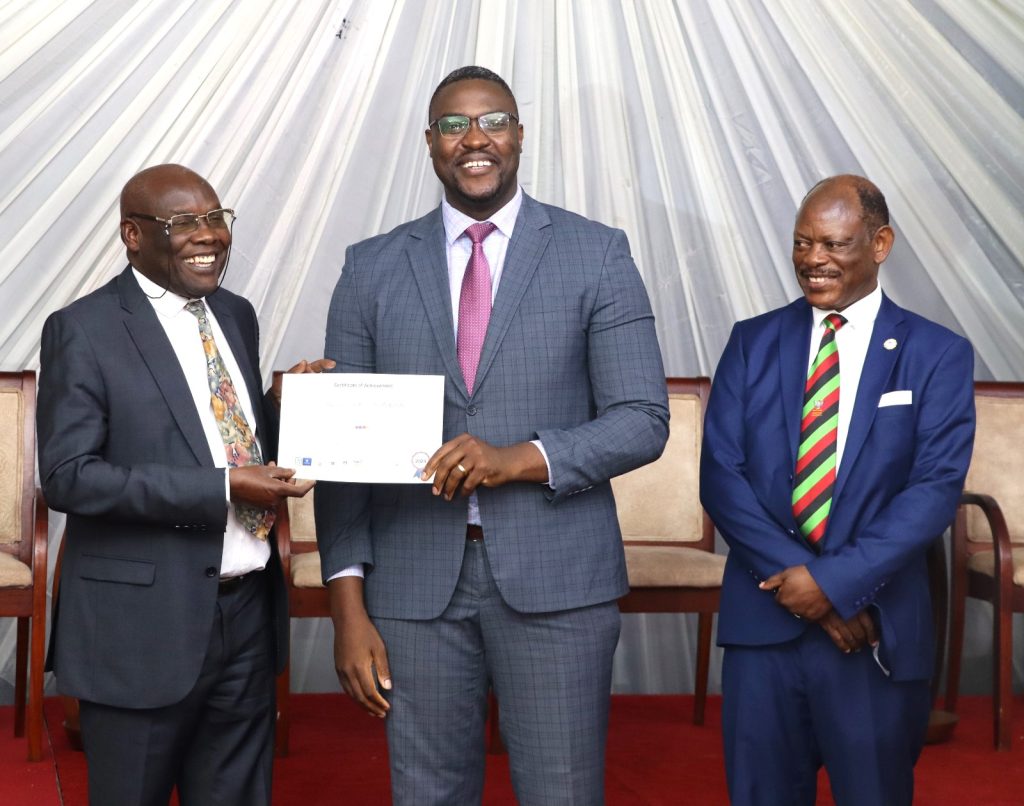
(694,126)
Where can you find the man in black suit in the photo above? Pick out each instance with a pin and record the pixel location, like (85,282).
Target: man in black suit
(153,437)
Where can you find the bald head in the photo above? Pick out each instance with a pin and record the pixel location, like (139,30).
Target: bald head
(151,183)
(874,212)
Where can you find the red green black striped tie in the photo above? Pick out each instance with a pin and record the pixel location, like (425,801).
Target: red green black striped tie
(816,457)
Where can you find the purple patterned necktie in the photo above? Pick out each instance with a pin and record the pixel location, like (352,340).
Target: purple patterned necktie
(474,304)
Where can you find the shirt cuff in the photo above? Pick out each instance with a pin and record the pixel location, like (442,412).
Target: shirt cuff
(227,485)
(544,453)
(352,571)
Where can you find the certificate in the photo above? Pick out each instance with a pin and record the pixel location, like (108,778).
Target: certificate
(374,429)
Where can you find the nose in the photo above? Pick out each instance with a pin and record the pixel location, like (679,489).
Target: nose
(817,255)
(474,136)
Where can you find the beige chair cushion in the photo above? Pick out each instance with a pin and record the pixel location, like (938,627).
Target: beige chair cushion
(14,573)
(660,501)
(673,566)
(11,470)
(985,562)
(997,465)
(300,516)
(306,570)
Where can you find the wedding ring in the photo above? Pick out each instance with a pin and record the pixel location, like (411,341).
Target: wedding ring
(462,470)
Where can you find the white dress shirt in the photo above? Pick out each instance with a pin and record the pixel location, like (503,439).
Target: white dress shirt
(242,551)
(852,341)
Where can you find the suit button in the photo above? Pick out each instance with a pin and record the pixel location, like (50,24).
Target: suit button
(471,410)
(211,571)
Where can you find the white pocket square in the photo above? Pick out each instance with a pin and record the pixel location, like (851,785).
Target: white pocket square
(901,397)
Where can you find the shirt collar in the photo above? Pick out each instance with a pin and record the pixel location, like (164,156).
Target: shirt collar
(455,221)
(165,303)
(861,314)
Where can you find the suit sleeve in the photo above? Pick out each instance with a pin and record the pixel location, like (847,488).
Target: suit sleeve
(343,509)
(73,426)
(926,505)
(762,544)
(627,383)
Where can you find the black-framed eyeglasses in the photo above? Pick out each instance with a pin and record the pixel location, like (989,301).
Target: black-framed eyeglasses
(187,223)
(458,125)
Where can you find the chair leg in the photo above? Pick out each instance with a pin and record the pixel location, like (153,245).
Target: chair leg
(35,687)
(700,689)
(958,606)
(283,726)
(20,676)
(1002,650)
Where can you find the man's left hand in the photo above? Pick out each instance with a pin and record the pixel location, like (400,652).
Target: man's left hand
(796,590)
(320,365)
(467,462)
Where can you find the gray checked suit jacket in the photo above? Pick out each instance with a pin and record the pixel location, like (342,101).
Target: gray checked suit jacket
(570,358)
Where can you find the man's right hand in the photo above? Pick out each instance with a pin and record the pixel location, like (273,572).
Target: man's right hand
(360,658)
(265,486)
(849,635)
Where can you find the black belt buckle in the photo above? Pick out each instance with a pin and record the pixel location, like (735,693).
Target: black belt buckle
(474,533)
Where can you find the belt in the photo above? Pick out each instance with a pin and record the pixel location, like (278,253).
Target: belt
(474,533)
(229,584)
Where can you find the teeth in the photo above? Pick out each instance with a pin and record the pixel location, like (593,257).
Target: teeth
(201,260)
(477,164)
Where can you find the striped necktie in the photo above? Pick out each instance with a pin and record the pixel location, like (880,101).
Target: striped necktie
(819,427)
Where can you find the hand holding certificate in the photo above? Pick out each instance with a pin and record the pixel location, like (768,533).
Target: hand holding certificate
(368,428)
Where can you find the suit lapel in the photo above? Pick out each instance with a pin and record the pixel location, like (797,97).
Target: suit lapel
(878,366)
(428,257)
(794,348)
(529,242)
(152,342)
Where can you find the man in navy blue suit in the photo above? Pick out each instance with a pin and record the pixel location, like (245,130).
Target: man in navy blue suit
(837,439)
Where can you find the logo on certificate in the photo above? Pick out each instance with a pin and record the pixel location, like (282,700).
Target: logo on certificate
(307,461)
(419,461)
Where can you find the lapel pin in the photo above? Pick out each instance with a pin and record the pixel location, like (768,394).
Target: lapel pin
(889,344)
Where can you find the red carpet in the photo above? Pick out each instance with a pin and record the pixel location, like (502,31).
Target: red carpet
(655,756)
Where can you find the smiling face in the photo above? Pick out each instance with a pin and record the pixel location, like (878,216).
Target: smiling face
(189,265)
(835,254)
(479,171)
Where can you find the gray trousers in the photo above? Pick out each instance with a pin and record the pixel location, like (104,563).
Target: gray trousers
(551,673)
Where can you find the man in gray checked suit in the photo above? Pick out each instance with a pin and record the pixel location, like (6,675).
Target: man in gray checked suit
(505,571)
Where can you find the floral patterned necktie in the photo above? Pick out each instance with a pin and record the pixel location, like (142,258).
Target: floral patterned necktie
(239,444)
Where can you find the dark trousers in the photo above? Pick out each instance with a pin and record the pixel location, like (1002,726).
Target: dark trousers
(216,745)
(790,708)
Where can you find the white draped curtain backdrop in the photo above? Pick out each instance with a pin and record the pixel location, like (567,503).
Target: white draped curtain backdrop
(694,126)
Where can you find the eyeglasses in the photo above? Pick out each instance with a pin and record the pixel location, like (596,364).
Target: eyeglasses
(458,125)
(186,223)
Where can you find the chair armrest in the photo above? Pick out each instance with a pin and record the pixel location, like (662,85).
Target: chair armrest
(40,537)
(1000,536)
(283,530)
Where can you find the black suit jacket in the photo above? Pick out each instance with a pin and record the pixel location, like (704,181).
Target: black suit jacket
(122,451)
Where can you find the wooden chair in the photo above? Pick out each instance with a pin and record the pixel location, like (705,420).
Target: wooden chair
(23,536)
(988,542)
(669,539)
(307,597)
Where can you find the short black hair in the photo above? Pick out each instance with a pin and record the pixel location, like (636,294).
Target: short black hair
(874,211)
(467,73)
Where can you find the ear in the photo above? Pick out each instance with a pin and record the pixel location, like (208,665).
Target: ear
(130,234)
(882,243)
(430,141)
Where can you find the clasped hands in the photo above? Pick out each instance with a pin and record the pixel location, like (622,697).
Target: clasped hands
(796,590)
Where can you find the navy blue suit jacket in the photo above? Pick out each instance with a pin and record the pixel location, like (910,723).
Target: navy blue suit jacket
(902,471)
